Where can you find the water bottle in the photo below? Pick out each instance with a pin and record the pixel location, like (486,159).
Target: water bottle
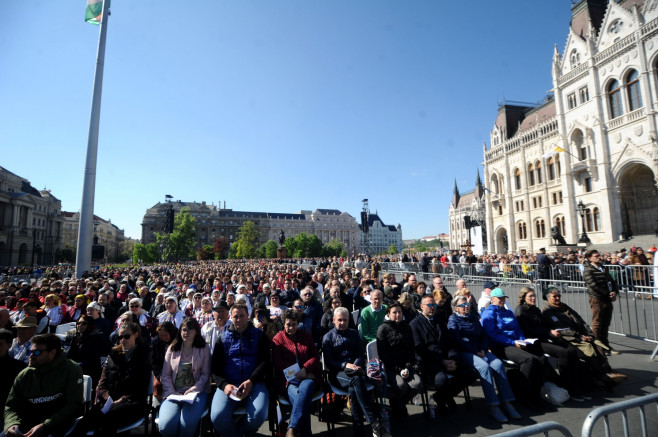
(416,400)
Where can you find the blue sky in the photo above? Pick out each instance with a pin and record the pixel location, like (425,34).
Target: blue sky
(270,105)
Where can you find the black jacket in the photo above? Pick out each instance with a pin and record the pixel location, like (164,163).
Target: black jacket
(126,379)
(433,344)
(599,282)
(530,320)
(395,345)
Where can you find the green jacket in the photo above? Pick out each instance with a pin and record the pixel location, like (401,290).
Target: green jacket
(370,321)
(51,394)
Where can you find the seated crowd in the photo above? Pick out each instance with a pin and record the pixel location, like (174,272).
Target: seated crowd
(222,336)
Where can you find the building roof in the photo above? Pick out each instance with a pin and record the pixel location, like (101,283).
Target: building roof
(329,211)
(261,215)
(539,115)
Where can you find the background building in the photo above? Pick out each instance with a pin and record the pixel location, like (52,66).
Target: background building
(381,235)
(213,222)
(30,222)
(592,141)
(471,205)
(108,239)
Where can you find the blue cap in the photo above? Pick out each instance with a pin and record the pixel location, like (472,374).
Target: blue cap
(497,292)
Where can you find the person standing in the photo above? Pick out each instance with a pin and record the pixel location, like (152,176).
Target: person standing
(602,290)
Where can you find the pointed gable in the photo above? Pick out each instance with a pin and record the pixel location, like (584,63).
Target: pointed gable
(586,12)
(617,24)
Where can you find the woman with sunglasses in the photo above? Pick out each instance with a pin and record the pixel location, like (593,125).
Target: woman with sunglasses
(88,345)
(472,347)
(186,371)
(125,379)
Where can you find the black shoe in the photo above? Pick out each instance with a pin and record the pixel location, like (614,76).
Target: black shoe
(451,404)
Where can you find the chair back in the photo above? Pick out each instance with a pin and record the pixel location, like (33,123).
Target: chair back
(371,350)
(64,328)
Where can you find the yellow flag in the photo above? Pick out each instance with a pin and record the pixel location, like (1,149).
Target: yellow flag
(559,149)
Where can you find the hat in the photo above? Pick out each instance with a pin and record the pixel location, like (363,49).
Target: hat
(27,322)
(192,286)
(241,297)
(221,305)
(275,293)
(542,249)
(23,300)
(170,297)
(24,283)
(497,292)
(490,285)
(96,306)
(241,286)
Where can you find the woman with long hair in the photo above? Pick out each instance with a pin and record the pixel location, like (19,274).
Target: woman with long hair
(186,372)
(88,345)
(52,306)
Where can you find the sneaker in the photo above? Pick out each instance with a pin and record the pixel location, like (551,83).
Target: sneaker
(379,431)
(497,414)
(511,411)
(614,352)
(617,377)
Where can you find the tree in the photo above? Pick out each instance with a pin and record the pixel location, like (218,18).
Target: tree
(145,253)
(392,249)
(247,243)
(291,246)
(205,252)
(181,243)
(220,247)
(333,248)
(315,246)
(269,249)
(68,254)
(233,251)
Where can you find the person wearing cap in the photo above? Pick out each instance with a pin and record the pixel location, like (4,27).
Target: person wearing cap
(20,346)
(264,296)
(46,397)
(187,300)
(171,313)
(544,266)
(95,311)
(212,330)
(18,313)
(507,342)
(485,298)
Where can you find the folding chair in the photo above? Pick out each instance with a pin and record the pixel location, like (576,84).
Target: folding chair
(64,328)
(283,401)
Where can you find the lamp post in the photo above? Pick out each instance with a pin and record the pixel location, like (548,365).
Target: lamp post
(581,210)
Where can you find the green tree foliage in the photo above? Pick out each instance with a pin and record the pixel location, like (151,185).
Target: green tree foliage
(221,247)
(269,249)
(333,248)
(291,246)
(181,243)
(392,249)
(205,252)
(233,251)
(67,254)
(145,253)
(248,236)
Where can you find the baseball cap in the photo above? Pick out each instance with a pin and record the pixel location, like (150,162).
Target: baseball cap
(497,292)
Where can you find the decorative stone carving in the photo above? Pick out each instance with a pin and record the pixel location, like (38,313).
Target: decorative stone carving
(617,137)
(638,130)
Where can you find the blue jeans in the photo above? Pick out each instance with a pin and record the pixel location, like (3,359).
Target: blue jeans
(221,411)
(181,418)
(300,397)
(490,369)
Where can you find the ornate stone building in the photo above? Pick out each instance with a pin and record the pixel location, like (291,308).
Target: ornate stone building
(593,140)
(30,222)
(106,234)
(471,204)
(213,222)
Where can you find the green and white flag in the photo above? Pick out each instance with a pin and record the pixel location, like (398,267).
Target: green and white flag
(94,12)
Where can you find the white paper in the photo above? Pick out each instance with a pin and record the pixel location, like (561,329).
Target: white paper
(189,398)
(291,372)
(526,342)
(108,405)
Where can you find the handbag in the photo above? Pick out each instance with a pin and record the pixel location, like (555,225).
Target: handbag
(554,394)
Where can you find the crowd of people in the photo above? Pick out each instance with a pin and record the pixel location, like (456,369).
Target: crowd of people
(223,336)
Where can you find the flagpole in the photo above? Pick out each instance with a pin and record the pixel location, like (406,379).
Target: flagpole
(86,226)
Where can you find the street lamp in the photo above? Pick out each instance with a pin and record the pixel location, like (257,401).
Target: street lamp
(581,210)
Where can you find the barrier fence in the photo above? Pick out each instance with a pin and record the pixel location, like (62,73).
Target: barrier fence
(620,407)
(538,428)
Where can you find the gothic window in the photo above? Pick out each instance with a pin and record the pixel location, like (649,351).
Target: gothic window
(614,99)
(523,231)
(538,170)
(571,99)
(540,228)
(517,179)
(531,175)
(559,222)
(634,93)
(551,169)
(584,94)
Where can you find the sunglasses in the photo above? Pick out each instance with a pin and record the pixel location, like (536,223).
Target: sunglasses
(36,352)
(431,305)
(125,336)
(299,307)
(134,306)
(462,305)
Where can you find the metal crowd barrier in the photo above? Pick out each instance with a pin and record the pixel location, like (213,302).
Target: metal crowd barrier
(538,428)
(623,407)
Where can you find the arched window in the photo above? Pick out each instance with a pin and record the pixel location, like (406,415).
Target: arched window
(531,175)
(538,170)
(578,141)
(523,231)
(634,93)
(494,184)
(551,168)
(614,99)
(540,228)
(558,167)
(517,179)
(596,214)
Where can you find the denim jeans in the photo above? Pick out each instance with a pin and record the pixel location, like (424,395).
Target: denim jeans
(221,411)
(490,369)
(300,397)
(361,404)
(180,418)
